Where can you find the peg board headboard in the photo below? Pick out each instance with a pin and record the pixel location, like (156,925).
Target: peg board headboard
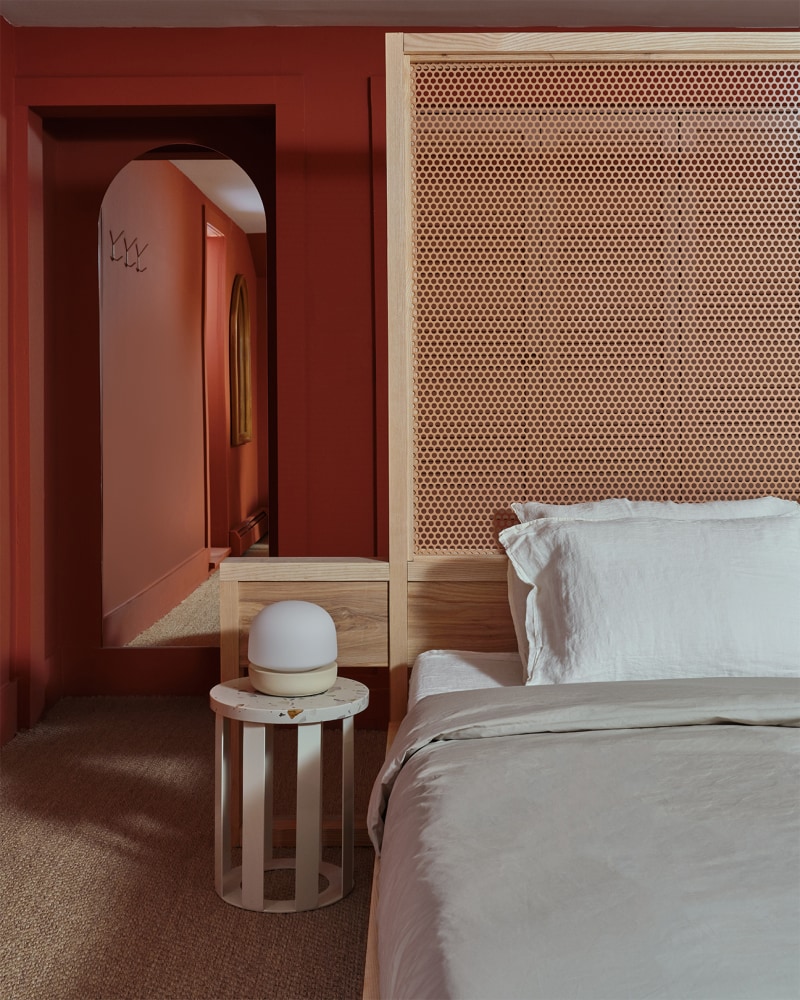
(593,281)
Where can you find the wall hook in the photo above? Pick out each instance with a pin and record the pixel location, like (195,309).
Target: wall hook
(139,253)
(114,242)
(128,248)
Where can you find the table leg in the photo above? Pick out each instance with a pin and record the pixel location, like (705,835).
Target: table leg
(254,768)
(269,784)
(309,818)
(222,803)
(348,805)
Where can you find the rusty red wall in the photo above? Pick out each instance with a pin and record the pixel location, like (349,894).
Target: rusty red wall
(327,466)
(8,685)
(329,447)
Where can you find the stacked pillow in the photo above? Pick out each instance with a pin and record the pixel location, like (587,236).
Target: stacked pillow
(622,590)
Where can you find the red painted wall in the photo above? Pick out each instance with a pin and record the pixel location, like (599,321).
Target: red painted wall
(326,312)
(334,380)
(327,466)
(8,686)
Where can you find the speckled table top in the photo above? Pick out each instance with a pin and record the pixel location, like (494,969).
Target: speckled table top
(238,699)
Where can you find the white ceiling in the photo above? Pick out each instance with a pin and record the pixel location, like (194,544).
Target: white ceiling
(775,14)
(230,189)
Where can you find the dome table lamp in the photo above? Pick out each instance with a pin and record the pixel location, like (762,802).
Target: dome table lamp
(292,650)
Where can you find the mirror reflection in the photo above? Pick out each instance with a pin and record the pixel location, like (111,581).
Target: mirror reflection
(182,261)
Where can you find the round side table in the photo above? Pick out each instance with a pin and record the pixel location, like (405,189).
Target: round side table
(258,714)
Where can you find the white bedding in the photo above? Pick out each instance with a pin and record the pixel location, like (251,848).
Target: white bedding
(602,841)
(439,670)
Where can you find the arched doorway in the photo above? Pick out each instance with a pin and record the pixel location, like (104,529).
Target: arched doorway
(179,227)
(82,152)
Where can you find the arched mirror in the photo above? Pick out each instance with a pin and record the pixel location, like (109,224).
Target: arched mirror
(183,349)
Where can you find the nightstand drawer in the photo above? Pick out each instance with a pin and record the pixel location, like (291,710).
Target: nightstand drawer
(359,610)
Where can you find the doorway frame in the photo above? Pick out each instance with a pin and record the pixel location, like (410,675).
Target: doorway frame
(50,662)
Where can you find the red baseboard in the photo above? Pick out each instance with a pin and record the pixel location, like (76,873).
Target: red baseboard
(248,532)
(141,611)
(8,712)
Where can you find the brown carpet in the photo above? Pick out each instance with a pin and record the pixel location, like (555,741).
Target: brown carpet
(107,871)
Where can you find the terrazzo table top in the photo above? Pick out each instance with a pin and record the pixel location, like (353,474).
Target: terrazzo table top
(238,699)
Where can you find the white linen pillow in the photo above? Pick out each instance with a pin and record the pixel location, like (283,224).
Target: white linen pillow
(518,593)
(647,598)
(616,507)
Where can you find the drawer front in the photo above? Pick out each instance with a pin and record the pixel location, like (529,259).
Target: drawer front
(359,611)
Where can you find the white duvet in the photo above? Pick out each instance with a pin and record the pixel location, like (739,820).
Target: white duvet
(601,841)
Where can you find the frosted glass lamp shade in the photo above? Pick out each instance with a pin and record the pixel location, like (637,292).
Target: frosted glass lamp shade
(292,649)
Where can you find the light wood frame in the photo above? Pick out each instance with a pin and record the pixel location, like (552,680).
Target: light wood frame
(449,599)
(421,588)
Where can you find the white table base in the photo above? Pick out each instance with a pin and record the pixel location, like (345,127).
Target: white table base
(243,885)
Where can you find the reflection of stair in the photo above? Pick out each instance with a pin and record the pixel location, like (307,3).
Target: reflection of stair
(194,622)
(248,532)
(215,557)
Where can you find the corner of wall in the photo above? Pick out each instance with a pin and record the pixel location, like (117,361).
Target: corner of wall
(8,686)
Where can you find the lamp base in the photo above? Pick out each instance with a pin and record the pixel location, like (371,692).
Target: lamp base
(294,683)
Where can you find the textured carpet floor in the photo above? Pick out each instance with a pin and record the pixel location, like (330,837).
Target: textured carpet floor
(107,877)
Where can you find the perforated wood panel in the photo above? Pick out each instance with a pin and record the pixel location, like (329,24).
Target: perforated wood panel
(605,287)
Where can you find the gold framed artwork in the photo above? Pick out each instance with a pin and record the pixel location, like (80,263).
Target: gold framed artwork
(241,383)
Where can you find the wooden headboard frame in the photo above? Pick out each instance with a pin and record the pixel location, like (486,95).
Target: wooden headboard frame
(437,595)
(456,599)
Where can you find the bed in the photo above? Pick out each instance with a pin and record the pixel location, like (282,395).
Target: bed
(592,790)
(637,836)
(648,848)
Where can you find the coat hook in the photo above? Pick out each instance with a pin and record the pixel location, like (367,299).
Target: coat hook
(139,256)
(128,248)
(114,241)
